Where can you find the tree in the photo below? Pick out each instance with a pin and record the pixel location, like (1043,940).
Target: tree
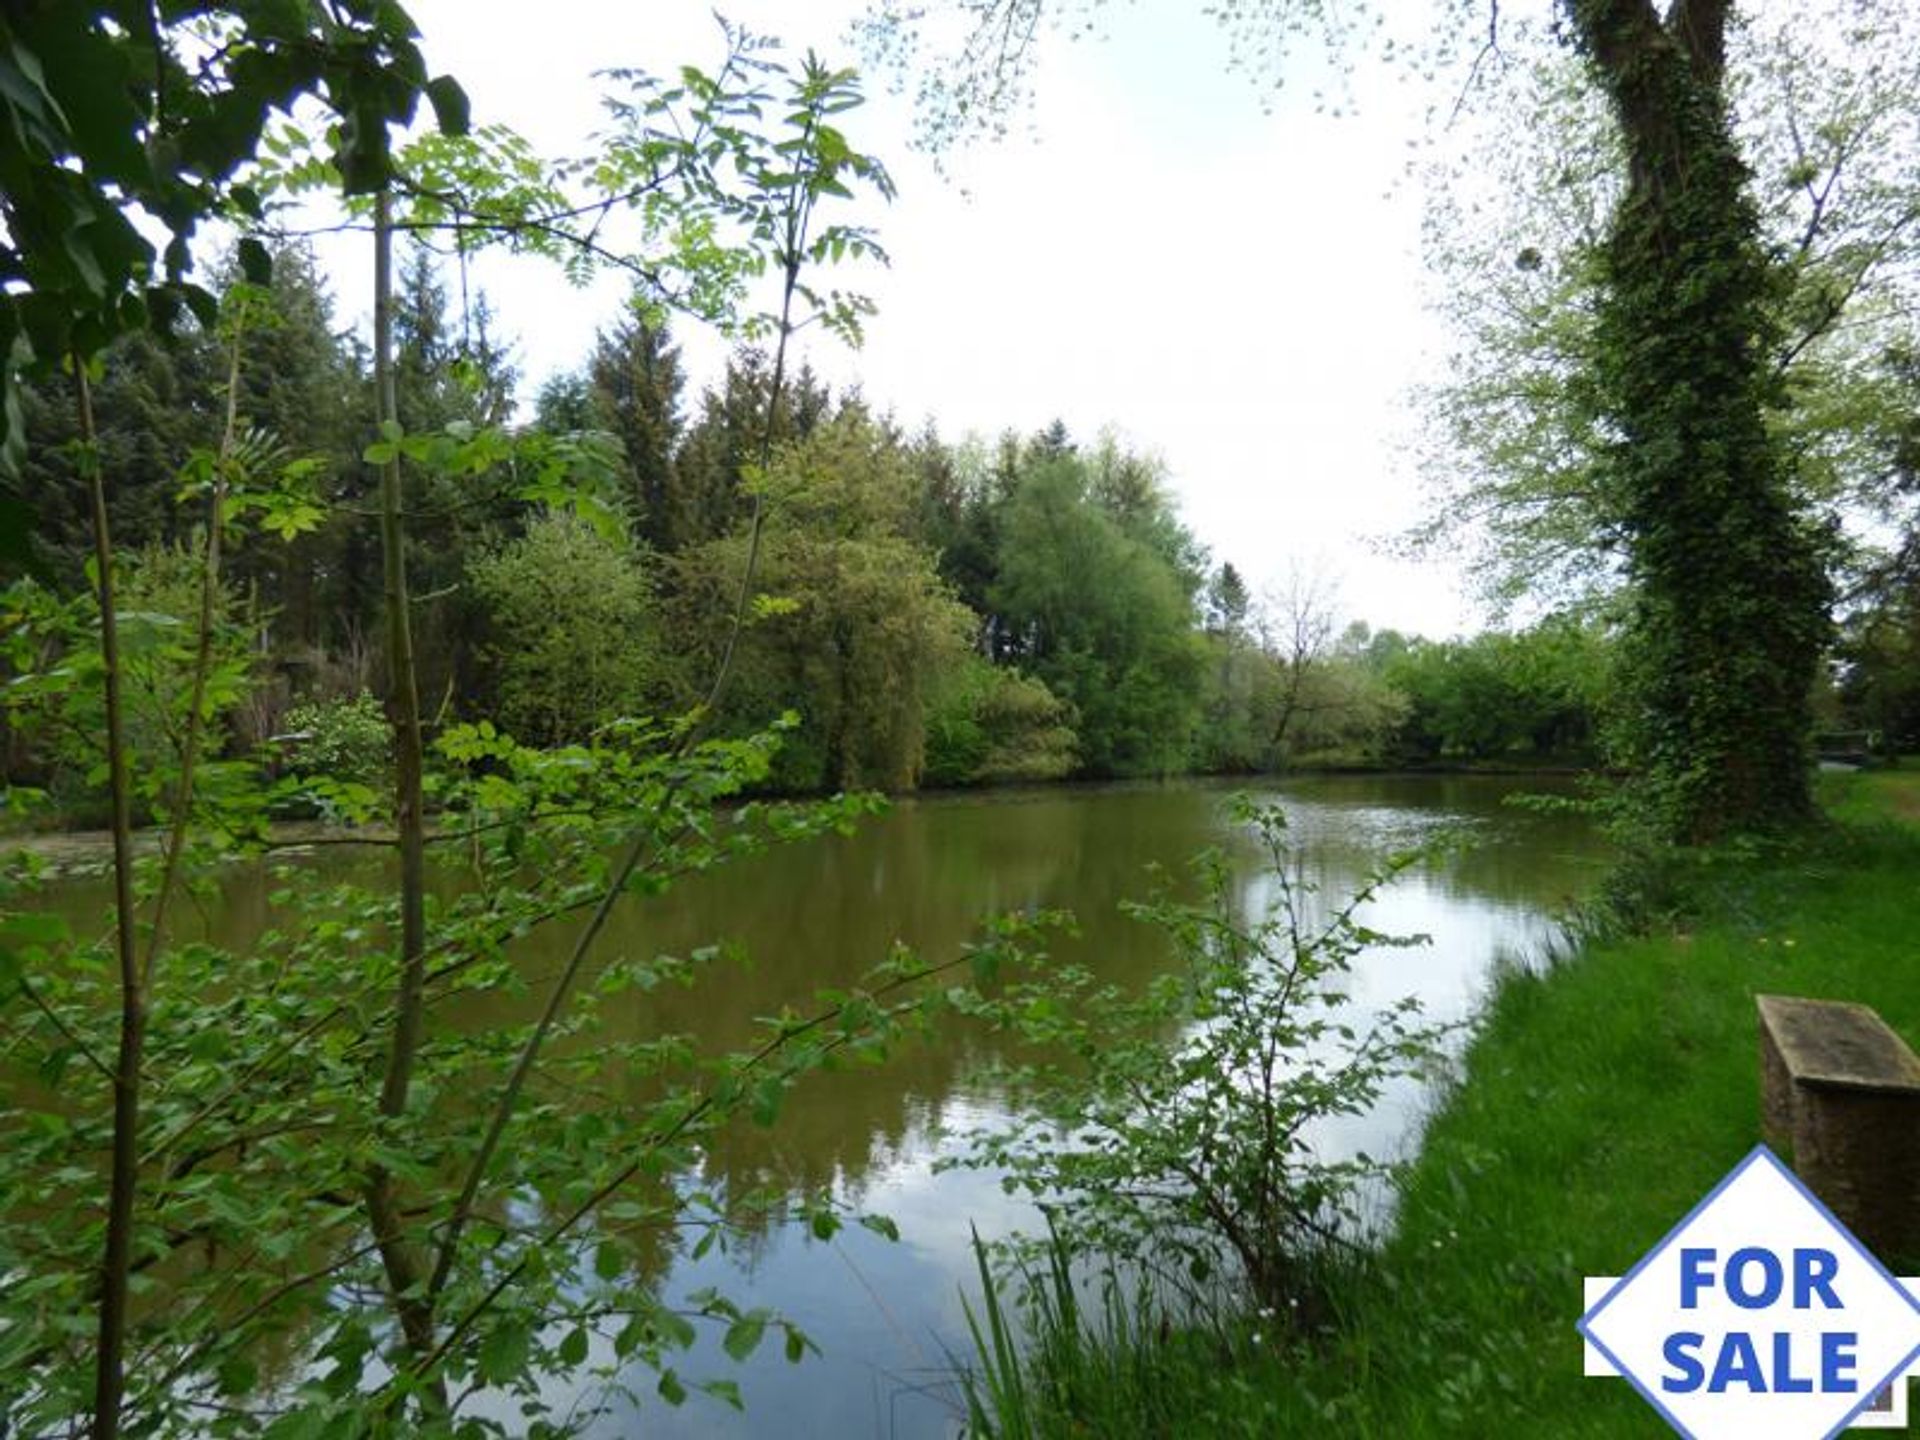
(1536,694)
(1101,618)
(572,636)
(854,627)
(635,381)
(447,373)
(1238,675)
(1824,110)
(153,403)
(1228,601)
(1727,614)
(962,499)
(989,724)
(1728,610)
(447,366)
(423,1297)
(1298,627)
(302,392)
(64,725)
(112,112)
(726,438)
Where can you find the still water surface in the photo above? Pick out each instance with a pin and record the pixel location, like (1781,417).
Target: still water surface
(887,1315)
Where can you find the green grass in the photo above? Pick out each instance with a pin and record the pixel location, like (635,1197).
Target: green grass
(1598,1102)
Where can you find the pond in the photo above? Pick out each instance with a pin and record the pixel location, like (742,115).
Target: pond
(887,1315)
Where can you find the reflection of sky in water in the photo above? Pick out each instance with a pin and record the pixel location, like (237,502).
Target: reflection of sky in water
(888,1316)
(820,914)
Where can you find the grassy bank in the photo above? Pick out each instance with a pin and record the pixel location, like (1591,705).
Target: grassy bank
(1597,1103)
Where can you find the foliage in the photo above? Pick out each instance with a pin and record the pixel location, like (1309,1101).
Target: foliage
(1727,613)
(1879,678)
(1516,226)
(1086,603)
(1678,381)
(1456,1326)
(114,113)
(852,623)
(297,1166)
(574,633)
(722,443)
(989,724)
(53,702)
(257,1125)
(345,741)
(635,378)
(1175,1127)
(1537,693)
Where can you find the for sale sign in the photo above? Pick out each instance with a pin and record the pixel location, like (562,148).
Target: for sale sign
(1758,1317)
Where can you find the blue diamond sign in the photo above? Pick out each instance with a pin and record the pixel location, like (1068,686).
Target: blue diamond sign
(1758,1317)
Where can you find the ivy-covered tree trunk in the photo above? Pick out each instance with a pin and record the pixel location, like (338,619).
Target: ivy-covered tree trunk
(1729,593)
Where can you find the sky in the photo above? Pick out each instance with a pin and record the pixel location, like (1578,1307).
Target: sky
(1225,274)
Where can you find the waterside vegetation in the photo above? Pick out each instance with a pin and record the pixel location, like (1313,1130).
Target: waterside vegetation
(1600,1096)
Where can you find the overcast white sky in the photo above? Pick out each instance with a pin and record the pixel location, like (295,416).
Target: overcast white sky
(1234,289)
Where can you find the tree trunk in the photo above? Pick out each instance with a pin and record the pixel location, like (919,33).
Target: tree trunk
(403,1268)
(123,1187)
(1730,595)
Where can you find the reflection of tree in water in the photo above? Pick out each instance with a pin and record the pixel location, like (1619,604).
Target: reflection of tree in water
(821,914)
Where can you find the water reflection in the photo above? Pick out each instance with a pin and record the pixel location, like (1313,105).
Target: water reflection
(888,1315)
(822,914)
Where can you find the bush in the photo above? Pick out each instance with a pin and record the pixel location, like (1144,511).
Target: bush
(574,638)
(341,740)
(1175,1128)
(54,696)
(991,725)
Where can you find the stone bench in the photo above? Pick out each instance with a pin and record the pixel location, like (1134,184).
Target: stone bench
(1840,1096)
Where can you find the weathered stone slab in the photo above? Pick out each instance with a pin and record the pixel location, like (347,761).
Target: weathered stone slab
(1840,1095)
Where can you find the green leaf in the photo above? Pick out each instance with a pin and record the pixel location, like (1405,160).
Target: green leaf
(573,1349)
(503,1355)
(310,1422)
(676,1330)
(255,263)
(671,1390)
(744,1335)
(767,1095)
(451,110)
(608,1261)
(33,928)
(881,1225)
(237,1375)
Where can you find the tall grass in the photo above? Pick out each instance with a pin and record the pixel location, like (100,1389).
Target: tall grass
(1071,1345)
(1059,1352)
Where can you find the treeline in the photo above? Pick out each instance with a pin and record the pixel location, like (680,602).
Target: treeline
(926,612)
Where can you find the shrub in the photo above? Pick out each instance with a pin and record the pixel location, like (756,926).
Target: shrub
(992,725)
(342,740)
(1176,1128)
(574,636)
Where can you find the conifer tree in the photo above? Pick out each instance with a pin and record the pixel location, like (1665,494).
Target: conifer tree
(634,384)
